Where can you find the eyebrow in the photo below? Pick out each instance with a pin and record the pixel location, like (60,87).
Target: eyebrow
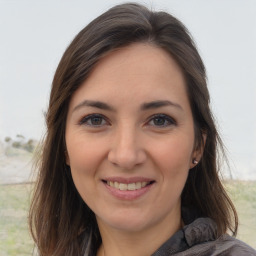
(159,104)
(144,106)
(94,104)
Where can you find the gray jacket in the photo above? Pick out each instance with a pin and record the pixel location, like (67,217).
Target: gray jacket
(199,239)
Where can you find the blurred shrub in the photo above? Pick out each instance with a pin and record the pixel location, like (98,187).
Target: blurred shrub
(7,139)
(30,145)
(21,143)
(20,136)
(16,144)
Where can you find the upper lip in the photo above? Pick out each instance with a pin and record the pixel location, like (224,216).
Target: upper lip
(127,180)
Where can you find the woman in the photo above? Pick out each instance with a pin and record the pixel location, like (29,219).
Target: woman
(129,163)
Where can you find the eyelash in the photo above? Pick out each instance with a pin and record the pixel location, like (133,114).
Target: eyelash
(168,121)
(85,119)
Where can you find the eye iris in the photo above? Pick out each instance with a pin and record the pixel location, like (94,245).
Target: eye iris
(97,120)
(159,121)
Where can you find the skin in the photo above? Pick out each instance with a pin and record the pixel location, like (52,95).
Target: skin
(128,141)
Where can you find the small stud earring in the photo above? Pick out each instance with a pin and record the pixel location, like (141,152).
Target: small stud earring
(195,161)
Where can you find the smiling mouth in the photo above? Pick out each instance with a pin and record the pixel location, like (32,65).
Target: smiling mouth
(129,186)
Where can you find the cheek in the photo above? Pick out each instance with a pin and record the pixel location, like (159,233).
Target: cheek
(84,154)
(85,157)
(174,154)
(172,159)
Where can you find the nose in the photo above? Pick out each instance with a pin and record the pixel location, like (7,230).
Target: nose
(126,150)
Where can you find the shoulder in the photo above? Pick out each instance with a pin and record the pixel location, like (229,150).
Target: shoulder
(227,245)
(201,237)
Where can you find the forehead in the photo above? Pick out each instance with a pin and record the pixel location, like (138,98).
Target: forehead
(134,73)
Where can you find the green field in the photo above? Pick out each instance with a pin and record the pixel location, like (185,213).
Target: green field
(14,236)
(14,201)
(243,195)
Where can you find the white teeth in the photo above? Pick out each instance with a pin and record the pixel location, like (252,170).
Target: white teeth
(116,185)
(123,186)
(143,184)
(138,185)
(130,186)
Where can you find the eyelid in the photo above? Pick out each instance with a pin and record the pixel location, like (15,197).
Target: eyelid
(85,118)
(170,119)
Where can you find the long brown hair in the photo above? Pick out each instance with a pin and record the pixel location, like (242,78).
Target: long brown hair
(60,221)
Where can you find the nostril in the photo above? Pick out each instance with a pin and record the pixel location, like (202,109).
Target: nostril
(127,159)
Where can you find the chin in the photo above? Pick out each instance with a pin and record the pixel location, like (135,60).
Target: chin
(130,226)
(133,222)
(126,222)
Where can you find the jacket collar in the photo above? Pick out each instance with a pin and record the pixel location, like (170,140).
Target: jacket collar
(199,231)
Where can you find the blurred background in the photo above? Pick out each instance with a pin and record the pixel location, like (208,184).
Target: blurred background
(33,36)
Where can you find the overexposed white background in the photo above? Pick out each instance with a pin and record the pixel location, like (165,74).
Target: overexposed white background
(34,35)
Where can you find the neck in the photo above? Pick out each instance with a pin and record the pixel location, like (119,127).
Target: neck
(140,243)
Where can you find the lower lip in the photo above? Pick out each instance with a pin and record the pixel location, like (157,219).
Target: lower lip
(128,194)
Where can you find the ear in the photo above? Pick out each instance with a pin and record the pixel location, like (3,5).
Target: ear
(67,158)
(197,153)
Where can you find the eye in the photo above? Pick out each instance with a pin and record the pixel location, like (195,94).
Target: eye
(94,120)
(161,120)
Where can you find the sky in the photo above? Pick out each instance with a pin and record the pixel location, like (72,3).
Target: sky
(34,34)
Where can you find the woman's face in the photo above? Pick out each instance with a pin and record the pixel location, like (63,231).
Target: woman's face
(130,139)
